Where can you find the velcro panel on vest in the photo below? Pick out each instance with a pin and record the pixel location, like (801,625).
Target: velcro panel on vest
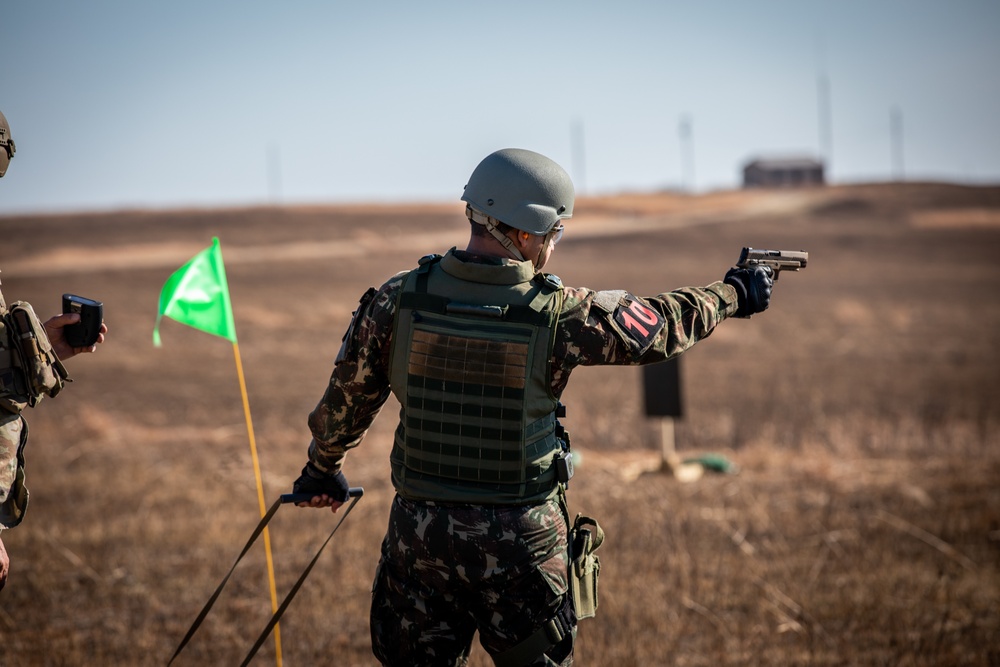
(466,387)
(470,367)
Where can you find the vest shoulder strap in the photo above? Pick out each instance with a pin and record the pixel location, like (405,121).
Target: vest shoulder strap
(418,298)
(423,270)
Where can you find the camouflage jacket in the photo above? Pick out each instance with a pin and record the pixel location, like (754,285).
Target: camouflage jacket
(13,496)
(23,382)
(594,328)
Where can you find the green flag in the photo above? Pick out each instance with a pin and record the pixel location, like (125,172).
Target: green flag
(197,295)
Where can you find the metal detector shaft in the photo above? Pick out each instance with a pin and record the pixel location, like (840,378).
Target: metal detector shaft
(286,498)
(354,493)
(215,595)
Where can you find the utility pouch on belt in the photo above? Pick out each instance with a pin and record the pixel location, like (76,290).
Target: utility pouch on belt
(34,369)
(585,538)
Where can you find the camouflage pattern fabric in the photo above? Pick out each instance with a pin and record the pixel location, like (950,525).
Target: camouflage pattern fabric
(500,570)
(449,571)
(13,433)
(13,494)
(16,388)
(595,328)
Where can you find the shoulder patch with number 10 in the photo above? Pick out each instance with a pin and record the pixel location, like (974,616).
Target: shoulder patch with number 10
(639,321)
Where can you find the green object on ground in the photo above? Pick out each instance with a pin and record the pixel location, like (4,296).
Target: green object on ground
(715,463)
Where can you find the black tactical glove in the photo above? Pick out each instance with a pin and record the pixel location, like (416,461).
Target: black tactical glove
(753,285)
(318,483)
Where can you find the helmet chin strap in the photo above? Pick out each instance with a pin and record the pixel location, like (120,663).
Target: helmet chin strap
(540,260)
(491,226)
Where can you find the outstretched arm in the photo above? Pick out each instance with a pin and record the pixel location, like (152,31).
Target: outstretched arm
(618,328)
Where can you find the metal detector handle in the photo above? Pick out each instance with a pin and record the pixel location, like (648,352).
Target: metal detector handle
(296,498)
(354,493)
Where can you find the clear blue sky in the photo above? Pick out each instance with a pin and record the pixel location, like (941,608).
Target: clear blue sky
(134,103)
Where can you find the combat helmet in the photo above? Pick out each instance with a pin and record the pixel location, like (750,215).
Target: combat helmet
(522,189)
(6,145)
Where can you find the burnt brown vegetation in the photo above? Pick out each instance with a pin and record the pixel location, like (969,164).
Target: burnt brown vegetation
(863,527)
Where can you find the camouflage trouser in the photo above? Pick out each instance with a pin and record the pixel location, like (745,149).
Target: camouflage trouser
(13,494)
(448,571)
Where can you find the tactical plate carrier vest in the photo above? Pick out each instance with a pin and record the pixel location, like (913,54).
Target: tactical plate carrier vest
(471,369)
(29,370)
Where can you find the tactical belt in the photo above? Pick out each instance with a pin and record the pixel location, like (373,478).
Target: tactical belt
(355,493)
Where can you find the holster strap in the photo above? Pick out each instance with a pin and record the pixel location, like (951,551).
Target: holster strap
(545,637)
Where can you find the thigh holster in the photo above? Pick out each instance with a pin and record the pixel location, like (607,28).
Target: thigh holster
(585,537)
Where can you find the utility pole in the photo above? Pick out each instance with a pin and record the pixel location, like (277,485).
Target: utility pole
(579,155)
(687,153)
(825,133)
(274,174)
(823,108)
(896,133)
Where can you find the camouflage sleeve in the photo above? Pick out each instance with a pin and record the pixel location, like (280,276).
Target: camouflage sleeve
(13,493)
(10,441)
(617,328)
(359,384)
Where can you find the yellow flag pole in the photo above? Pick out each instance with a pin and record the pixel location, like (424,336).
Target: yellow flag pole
(260,499)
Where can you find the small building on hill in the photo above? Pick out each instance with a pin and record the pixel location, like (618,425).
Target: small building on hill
(783,172)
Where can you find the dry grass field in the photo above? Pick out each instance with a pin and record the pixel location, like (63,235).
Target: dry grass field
(863,410)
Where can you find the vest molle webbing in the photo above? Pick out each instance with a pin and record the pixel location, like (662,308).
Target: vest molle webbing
(477,422)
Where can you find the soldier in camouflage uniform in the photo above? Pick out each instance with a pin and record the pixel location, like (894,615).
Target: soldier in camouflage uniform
(478,346)
(24,383)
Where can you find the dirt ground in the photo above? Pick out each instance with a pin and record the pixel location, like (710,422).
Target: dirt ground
(863,527)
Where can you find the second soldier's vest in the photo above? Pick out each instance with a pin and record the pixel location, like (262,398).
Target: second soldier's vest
(471,370)
(29,369)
